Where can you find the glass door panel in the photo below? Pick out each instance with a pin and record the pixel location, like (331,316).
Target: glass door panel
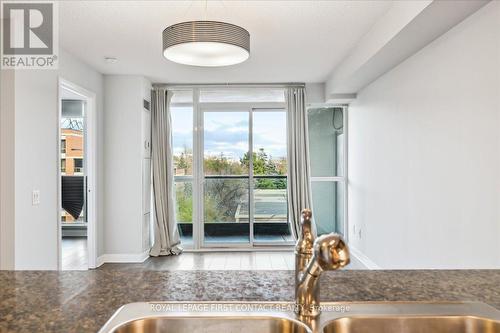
(325,139)
(226,188)
(73,162)
(183,189)
(181,111)
(270,181)
(226,218)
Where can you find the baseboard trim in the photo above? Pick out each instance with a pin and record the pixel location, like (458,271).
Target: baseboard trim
(122,258)
(367,262)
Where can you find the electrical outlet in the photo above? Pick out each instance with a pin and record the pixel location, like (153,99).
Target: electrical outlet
(35,197)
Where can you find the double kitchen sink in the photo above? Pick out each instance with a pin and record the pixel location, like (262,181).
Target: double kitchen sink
(313,255)
(280,317)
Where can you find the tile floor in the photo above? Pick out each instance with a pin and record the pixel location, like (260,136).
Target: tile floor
(74,257)
(74,253)
(188,261)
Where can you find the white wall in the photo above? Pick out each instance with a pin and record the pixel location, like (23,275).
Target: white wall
(32,142)
(36,158)
(123,167)
(424,154)
(315,93)
(36,168)
(7,168)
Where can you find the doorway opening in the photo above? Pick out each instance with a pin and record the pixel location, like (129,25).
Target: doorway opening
(76,227)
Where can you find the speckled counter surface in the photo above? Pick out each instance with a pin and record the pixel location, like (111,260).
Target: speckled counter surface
(48,301)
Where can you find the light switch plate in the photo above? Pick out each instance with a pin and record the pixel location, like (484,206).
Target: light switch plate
(35,197)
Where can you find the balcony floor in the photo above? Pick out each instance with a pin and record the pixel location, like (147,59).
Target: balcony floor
(236,239)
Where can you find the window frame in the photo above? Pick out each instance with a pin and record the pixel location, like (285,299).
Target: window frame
(63,166)
(63,146)
(78,169)
(198,176)
(188,178)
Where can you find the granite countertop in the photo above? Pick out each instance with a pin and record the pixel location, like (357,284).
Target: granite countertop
(82,301)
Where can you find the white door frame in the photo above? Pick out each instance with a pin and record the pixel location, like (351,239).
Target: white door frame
(90,155)
(207,108)
(250,108)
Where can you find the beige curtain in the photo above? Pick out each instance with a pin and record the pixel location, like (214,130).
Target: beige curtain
(299,188)
(166,235)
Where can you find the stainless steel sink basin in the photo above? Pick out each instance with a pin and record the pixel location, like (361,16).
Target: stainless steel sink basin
(213,325)
(205,317)
(441,324)
(279,317)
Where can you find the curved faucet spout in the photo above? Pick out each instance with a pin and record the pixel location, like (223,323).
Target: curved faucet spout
(304,245)
(329,253)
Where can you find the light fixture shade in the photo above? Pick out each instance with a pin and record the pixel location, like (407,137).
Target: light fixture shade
(206,43)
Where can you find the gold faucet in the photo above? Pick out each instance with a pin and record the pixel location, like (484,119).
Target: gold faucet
(312,257)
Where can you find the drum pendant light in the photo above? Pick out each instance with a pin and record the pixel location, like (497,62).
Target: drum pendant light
(206,43)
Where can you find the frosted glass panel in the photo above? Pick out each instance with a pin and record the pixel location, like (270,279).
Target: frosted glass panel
(328,203)
(325,142)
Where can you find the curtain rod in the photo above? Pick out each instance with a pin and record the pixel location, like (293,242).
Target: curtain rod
(229,85)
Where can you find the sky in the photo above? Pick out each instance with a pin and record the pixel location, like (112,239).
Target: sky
(227,132)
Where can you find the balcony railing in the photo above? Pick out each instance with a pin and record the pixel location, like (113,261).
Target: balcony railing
(227,202)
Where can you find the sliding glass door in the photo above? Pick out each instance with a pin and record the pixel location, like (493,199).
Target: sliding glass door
(226,178)
(230,161)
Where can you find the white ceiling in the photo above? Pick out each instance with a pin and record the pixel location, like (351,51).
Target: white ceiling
(291,41)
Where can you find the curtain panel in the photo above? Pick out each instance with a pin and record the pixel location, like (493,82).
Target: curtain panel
(299,185)
(166,234)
